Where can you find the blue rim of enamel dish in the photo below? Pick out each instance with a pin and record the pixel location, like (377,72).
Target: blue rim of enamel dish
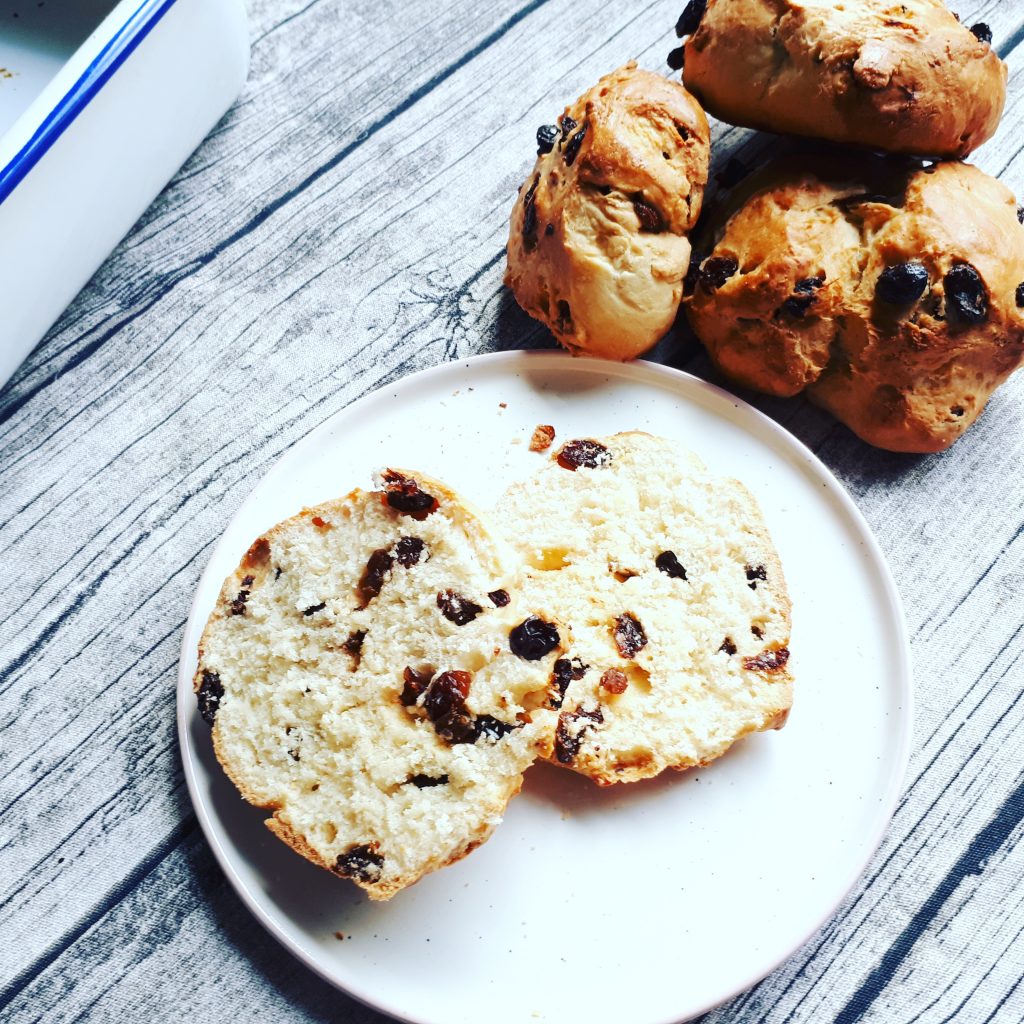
(116,51)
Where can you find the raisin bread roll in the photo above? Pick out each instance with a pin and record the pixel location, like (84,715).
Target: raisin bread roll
(904,78)
(597,247)
(358,676)
(892,292)
(670,601)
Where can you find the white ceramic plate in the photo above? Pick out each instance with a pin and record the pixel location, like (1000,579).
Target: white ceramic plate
(646,903)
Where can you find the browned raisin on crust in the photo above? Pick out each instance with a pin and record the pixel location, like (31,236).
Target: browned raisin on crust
(445,705)
(211,690)
(403,494)
(427,781)
(362,862)
(669,565)
(564,672)
(238,604)
(630,637)
(543,435)
(377,568)
(568,737)
(582,453)
(768,661)
(755,573)
(614,681)
(415,683)
(353,646)
(533,638)
(456,608)
(409,551)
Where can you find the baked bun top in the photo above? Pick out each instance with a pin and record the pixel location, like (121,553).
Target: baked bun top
(891,290)
(597,245)
(904,78)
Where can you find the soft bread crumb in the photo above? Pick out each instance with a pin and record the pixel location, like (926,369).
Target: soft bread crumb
(597,540)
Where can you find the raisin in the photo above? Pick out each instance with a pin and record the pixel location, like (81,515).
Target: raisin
(567,124)
(409,551)
(565,671)
(314,608)
(630,637)
(277,573)
(493,728)
(362,862)
(1020,214)
(1020,295)
(543,435)
(238,605)
(549,230)
(755,573)
(768,661)
(757,631)
(902,284)
(574,454)
(353,646)
(669,565)
(966,294)
(404,495)
(499,598)
(446,696)
(533,638)
(572,147)
(689,20)
(547,136)
(982,33)
(211,690)
(717,270)
(802,299)
(321,524)
(572,725)
(614,681)
(456,608)
(377,568)
(676,58)
(427,781)
(416,681)
(530,216)
(728,646)
(650,219)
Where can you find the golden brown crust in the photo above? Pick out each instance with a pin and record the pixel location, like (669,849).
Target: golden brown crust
(597,245)
(909,377)
(905,78)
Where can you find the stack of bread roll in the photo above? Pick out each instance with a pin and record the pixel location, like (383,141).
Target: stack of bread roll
(873,269)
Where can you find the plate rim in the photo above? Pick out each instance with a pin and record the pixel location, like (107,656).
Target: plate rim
(677,381)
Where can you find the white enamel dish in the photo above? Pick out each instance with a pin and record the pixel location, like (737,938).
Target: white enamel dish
(648,903)
(100,103)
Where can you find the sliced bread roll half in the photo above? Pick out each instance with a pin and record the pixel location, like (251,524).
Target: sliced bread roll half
(359,676)
(670,601)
